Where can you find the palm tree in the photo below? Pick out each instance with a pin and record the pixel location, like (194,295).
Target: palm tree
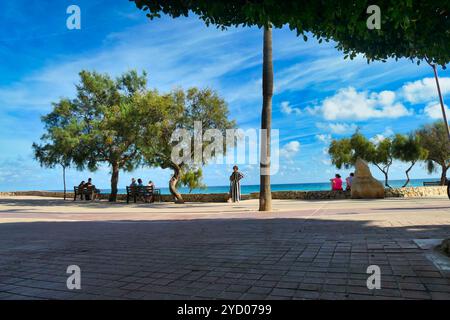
(265,195)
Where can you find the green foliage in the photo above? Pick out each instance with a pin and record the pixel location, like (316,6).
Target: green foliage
(409,29)
(179,110)
(434,138)
(429,143)
(346,151)
(382,153)
(192,179)
(100,125)
(362,147)
(407,148)
(341,153)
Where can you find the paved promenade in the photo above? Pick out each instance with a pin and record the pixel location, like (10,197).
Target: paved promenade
(302,250)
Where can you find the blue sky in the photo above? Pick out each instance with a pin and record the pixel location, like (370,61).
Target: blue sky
(318,94)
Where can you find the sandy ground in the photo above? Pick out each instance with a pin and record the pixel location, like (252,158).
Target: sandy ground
(392,211)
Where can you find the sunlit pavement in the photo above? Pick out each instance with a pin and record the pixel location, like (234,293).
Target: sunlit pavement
(301,250)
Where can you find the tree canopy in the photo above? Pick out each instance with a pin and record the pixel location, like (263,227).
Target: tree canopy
(409,29)
(407,148)
(346,151)
(57,148)
(433,137)
(427,144)
(100,124)
(123,124)
(182,110)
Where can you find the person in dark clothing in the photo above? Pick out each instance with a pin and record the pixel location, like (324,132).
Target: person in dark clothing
(235,185)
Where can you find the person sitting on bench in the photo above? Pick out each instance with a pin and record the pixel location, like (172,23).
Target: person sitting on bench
(89,186)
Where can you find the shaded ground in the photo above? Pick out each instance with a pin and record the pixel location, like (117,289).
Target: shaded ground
(305,250)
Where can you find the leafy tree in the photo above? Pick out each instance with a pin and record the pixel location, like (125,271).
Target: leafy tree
(407,148)
(101,123)
(192,179)
(180,110)
(341,153)
(55,151)
(383,157)
(346,151)
(433,137)
(410,29)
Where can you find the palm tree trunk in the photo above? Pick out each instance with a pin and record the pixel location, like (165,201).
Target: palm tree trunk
(265,195)
(173,183)
(441,100)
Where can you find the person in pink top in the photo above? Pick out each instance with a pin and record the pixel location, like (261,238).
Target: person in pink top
(336,183)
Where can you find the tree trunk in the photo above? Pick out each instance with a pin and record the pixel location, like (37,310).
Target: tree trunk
(386,179)
(114,182)
(407,174)
(441,100)
(386,174)
(64,181)
(444,174)
(173,183)
(265,195)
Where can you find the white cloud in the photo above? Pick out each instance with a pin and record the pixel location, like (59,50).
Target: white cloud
(434,110)
(425,90)
(381,136)
(287,109)
(325,138)
(290,149)
(349,104)
(340,128)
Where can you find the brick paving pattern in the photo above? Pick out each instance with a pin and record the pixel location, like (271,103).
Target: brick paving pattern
(306,251)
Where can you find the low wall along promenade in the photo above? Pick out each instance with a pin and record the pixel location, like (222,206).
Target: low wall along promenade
(409,192)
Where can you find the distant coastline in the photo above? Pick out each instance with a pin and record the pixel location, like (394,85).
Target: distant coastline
(247,189)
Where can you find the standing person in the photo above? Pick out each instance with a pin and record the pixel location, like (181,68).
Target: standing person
(235,185)
(349,181)
(336,183)
(150,197)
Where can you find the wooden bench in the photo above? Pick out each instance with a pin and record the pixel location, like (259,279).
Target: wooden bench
(85,192)
(432,184)
(142,193)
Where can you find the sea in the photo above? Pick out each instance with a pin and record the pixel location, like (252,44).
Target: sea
(247,189)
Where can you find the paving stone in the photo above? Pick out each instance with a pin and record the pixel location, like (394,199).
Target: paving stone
(221,257)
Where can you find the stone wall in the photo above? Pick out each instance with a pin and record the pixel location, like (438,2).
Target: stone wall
(306,195)
(300,195)
(412,192)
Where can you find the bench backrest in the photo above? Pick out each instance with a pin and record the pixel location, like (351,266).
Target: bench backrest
(138,189)
(433,183)
(79,189)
